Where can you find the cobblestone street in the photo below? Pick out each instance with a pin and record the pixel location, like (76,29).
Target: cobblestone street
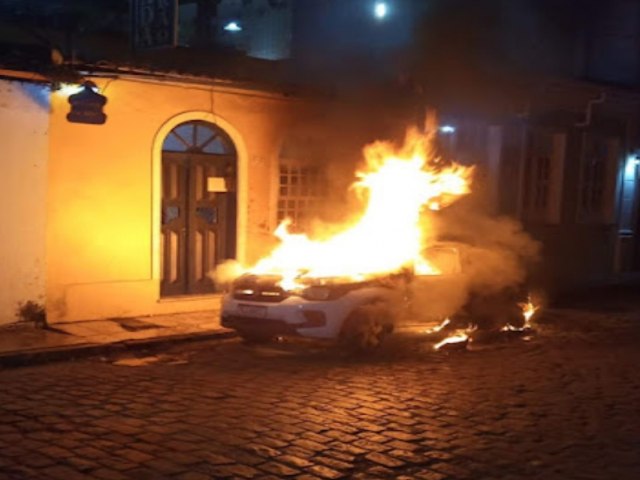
(563,406)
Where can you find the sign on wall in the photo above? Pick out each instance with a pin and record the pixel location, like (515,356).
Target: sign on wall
(154,23)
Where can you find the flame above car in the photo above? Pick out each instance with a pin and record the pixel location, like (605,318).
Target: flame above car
(397,184)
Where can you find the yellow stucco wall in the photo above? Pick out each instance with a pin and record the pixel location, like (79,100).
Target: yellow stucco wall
(24,120)
(103,208)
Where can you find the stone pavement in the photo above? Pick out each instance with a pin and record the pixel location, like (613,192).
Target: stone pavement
(565,405)
(22,343)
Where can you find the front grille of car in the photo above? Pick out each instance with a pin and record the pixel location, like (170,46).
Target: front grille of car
(250,324)
(259,289)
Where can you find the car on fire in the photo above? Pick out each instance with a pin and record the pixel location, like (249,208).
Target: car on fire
(359,313)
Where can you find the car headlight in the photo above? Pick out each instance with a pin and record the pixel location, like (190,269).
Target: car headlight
(316,293)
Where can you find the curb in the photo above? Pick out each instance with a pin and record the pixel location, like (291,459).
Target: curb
(84,350)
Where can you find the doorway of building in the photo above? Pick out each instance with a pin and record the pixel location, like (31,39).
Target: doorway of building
(198,225)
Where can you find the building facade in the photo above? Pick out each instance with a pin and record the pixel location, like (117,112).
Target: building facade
(567,168)
(128,210)
(24,123)
(130,216)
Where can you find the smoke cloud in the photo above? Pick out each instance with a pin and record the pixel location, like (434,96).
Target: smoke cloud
(225,273)
(496,255)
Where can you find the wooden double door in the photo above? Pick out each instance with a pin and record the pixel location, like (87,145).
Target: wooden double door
(198,219)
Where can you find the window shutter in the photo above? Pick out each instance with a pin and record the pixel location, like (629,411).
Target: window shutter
(611,175)
(556,180)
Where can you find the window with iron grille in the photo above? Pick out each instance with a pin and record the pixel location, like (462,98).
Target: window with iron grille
(301,188)
(592,185)
(544,176)
(541,170)
(597,179)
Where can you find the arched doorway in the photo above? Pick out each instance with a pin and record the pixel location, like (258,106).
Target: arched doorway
(198,221)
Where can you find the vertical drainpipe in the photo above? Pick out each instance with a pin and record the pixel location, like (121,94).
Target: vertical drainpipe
(589,110)
(583,151)
(583,141)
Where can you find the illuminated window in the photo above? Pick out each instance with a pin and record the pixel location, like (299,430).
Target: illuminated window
(301,188)
(628,201)
(198,136)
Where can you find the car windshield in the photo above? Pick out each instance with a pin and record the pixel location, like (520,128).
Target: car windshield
(445,259)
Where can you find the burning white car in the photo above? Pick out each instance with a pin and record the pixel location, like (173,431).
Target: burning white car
(355,281)
(259,309)
(357,313)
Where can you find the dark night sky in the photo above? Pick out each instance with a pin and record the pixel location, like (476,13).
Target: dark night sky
(469,49)
(429,41)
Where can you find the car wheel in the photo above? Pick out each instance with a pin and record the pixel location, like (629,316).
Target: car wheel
(366,327)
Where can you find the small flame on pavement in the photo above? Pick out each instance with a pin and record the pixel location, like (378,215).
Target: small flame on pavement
(528,310)
(457,337)
(439,327)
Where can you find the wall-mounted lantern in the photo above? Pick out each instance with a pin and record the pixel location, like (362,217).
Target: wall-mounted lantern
(86,105)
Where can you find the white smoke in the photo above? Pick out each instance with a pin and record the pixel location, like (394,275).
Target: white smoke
(225,273)
(496,256)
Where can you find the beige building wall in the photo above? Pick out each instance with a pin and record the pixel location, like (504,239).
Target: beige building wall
(24,122)
(103,234)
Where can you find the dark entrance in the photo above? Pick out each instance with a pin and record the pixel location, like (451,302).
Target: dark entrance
(198,206)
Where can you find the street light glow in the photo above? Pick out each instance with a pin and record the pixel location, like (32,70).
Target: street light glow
(380,10)
(630,168)
(233,27)
(68,89)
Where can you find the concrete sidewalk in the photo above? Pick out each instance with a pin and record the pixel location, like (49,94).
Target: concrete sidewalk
(24,344)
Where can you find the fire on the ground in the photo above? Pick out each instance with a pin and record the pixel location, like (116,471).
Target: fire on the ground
(461,337)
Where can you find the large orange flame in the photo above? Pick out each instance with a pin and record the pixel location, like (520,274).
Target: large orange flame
(391,233)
